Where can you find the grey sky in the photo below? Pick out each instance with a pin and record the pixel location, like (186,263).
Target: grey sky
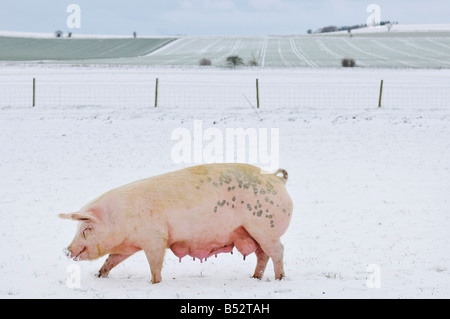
(211,17)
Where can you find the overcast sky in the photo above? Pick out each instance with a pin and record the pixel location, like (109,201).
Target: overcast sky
(211,17)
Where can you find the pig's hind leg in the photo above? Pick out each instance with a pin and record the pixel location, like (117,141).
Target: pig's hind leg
(112,261)
(247,245)
(262,259)
(272,248)
(275,250)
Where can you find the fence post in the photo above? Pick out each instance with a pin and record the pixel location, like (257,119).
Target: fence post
(381,93)
(34,92)
(156,93)
(257,93)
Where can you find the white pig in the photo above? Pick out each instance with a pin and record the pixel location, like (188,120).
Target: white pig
(199,211)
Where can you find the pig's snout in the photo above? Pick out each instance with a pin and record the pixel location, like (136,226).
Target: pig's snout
(67,252)
(74,256)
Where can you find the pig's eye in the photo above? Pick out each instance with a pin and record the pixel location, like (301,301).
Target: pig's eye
(87,231)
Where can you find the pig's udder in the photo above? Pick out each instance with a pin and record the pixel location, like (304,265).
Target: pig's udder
(239,238)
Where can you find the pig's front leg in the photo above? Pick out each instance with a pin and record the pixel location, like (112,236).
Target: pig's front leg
(155,255)
(110,263)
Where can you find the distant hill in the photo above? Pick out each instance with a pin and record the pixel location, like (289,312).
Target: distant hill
(404,46)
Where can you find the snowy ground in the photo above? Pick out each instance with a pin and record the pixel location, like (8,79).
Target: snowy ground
(370,187)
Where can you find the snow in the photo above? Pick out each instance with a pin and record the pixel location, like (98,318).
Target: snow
(405,46)
(370,187)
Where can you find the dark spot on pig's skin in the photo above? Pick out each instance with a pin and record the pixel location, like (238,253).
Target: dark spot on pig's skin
(215,209)
(259,213)
(234,199)
(262,191)
(198,187)
(271,202)
(266,199)
(224,178)
(215,184)
(221,203)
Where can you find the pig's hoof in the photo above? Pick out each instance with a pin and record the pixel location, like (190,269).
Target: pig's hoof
(259,277)
(280,277)
(102,274)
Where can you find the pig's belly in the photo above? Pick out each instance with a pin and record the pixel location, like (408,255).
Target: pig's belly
(204,249)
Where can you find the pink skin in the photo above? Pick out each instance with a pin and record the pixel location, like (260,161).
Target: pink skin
(200,211)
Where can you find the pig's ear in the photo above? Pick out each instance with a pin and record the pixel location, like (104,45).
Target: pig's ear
(79,217)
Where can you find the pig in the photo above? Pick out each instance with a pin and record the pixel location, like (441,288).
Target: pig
(200,211)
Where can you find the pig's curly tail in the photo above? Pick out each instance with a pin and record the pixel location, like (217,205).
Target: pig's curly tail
(285,175)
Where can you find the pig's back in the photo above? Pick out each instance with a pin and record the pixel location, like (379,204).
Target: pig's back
(211,206)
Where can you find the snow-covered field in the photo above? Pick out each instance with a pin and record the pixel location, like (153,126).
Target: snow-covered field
(370,189)
(405,46)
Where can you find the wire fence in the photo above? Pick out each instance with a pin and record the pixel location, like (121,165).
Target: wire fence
(185,94)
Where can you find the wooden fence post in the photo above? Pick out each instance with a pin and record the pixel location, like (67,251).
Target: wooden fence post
(34,92)
(381,93)
(156,92)
(257,93)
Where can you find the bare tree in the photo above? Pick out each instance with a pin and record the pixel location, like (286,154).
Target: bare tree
(234,61)
(205,62)
(348,63)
